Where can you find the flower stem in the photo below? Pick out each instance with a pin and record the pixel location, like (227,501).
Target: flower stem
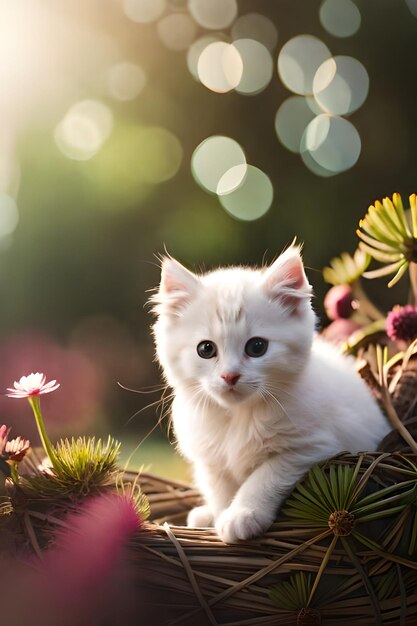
(34,402)
(413,280)
(14,473)
(365,305)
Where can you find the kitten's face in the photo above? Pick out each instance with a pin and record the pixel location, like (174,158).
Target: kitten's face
(235,334)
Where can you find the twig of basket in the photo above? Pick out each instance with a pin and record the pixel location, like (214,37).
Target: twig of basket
(190,574)
(383,369)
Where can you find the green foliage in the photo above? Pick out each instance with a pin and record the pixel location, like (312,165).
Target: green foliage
(339,488)
(84,466)
(86,460)
(132,490)
(294,593)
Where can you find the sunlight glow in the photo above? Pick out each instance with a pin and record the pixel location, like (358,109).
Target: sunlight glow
(84,129)
(125,80)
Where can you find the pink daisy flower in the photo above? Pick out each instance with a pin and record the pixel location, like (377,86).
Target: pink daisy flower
(32,385)
(13,450)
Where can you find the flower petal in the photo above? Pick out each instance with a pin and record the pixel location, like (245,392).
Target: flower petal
(32,385)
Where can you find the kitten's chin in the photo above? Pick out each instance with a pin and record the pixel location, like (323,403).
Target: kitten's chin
(231,397)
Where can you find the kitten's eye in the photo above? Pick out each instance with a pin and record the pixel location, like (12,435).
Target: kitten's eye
(207,349)
(256,347)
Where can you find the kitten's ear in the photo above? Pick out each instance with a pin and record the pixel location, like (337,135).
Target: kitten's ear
(177,287)
(285,279)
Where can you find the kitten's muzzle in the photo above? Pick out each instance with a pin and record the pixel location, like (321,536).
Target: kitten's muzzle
(231,379)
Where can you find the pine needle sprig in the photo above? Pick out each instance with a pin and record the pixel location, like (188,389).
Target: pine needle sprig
(133,490)
(85,460)
(84,466)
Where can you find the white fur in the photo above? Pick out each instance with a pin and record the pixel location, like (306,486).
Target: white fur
(298,404)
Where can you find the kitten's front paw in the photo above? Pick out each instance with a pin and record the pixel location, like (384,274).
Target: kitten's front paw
(200,517)
(238,524)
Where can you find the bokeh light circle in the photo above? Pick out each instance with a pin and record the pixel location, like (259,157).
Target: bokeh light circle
(299,60)
(220,67)
(144,11)
(177,31)
(162,154)
(332,142)
(213,157)
(341,85)
(9,215)
(291,120)
(412,5)
(84,129)
(195,50)
(213,14)
(125,80)
(314,167)
(231,179)
(258,27)
(340,18)
(252,198)
(258,66)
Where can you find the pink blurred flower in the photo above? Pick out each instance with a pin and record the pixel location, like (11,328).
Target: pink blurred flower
(401,323)
(32,385)
(86,576)
(340,330)
(79,568)
(339,302)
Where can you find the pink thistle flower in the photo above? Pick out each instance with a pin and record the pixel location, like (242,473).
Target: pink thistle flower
(401,323)
(32,385)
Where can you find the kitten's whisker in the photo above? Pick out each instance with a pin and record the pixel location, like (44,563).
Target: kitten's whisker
(145,390)
(276,388)
(268,395)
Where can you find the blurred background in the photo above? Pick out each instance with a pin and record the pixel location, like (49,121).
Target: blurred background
(215,129)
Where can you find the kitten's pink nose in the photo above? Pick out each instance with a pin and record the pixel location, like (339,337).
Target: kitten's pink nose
(231,379)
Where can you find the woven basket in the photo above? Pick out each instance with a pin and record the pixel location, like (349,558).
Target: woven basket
(203,581)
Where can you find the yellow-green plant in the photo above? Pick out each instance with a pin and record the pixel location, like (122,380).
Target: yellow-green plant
(388,234)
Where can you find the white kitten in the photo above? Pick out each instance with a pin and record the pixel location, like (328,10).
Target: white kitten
(257,400)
